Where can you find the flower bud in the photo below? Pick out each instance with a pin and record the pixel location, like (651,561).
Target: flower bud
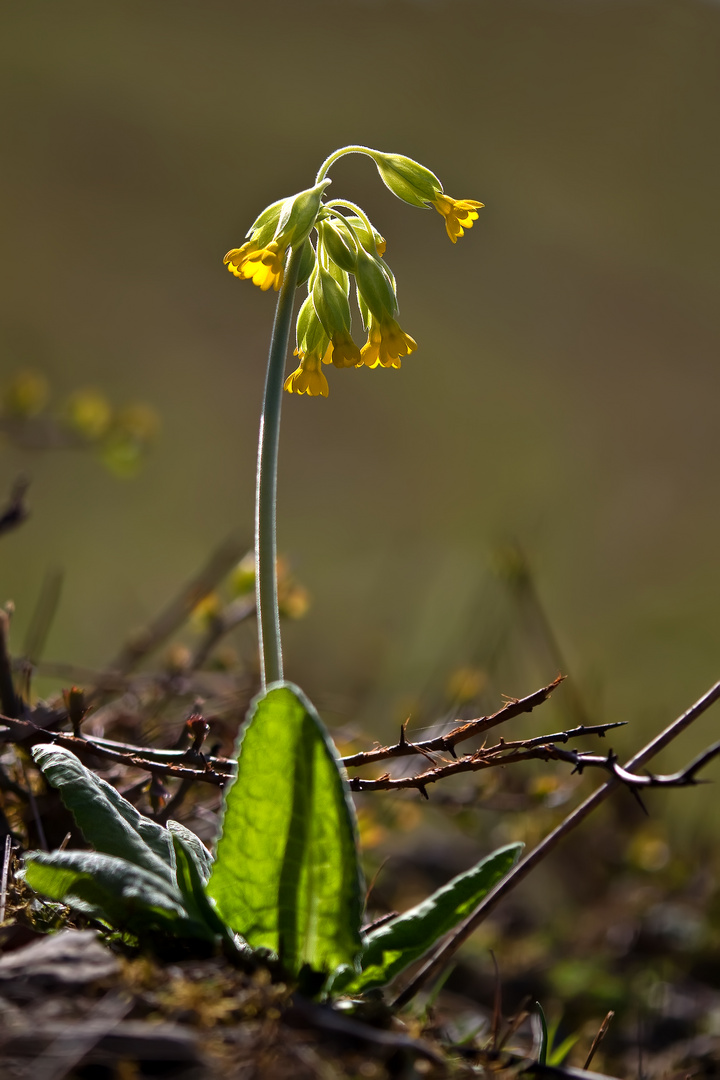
(407,179)
(298,214)
(339,244)
(375,285)
(373,242)
(307,263)
(331,304)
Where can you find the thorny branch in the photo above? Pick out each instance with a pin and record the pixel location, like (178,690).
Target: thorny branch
(447,743)
(192,764)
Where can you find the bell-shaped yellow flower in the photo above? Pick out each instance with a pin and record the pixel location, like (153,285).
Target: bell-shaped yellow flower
(343,352)
(308,378)
(386,343)
(264,266)
(459,214)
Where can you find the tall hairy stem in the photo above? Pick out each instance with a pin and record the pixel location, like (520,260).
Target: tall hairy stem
(268,615)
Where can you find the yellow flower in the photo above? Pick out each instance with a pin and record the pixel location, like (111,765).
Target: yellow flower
(386,343)
(457,213)
(264,266)
(308,378)
(342,351)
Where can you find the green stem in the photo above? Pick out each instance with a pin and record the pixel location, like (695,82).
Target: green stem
(322,172)
(268,615)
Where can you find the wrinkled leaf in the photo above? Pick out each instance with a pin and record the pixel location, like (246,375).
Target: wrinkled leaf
(107,821)
(389,949)
(286,873)
(111,889)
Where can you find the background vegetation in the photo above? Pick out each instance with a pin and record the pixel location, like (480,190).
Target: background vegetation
(563,396)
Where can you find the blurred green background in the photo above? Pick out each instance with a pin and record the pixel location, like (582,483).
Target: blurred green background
(564,394)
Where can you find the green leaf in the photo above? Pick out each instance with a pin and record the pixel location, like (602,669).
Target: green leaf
(203,858)
(286,874)
(390,948)
(107,821)
(192,889)
(543,1033)
(111,889)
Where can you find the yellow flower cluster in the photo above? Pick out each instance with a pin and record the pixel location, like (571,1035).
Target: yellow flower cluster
(346,248)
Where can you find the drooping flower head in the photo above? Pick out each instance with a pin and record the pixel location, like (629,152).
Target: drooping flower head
(339,246)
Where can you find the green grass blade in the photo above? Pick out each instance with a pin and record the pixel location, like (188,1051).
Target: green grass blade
(107,821)
(392,947)
(286,874)
(543,1035)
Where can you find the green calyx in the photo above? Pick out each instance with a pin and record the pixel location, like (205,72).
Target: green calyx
(331,303)
(407,179)
(298,215)
(376,286)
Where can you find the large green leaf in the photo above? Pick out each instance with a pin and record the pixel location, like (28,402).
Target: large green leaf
(111,889)
(286,874)
(107,821)
(389,949)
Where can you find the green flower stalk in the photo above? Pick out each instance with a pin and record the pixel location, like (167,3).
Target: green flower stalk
(280,254)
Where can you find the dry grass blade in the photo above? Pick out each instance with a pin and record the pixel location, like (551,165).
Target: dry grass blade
(602,1032)
(5,875)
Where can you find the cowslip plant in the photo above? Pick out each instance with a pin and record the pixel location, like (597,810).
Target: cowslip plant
(285,881)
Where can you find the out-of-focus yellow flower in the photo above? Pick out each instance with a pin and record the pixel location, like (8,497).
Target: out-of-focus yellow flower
(242,578)
(206,611)
(386,343)
(308,378)
(293,600)
(26,395)
(138,421)
(459,214)
(264,266)
(465,684)
(89,413)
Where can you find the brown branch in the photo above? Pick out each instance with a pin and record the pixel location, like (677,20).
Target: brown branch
(9,700)
(171,763)
(686,777)
(540,749)
(16,511)
(447,743)
(447,949)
